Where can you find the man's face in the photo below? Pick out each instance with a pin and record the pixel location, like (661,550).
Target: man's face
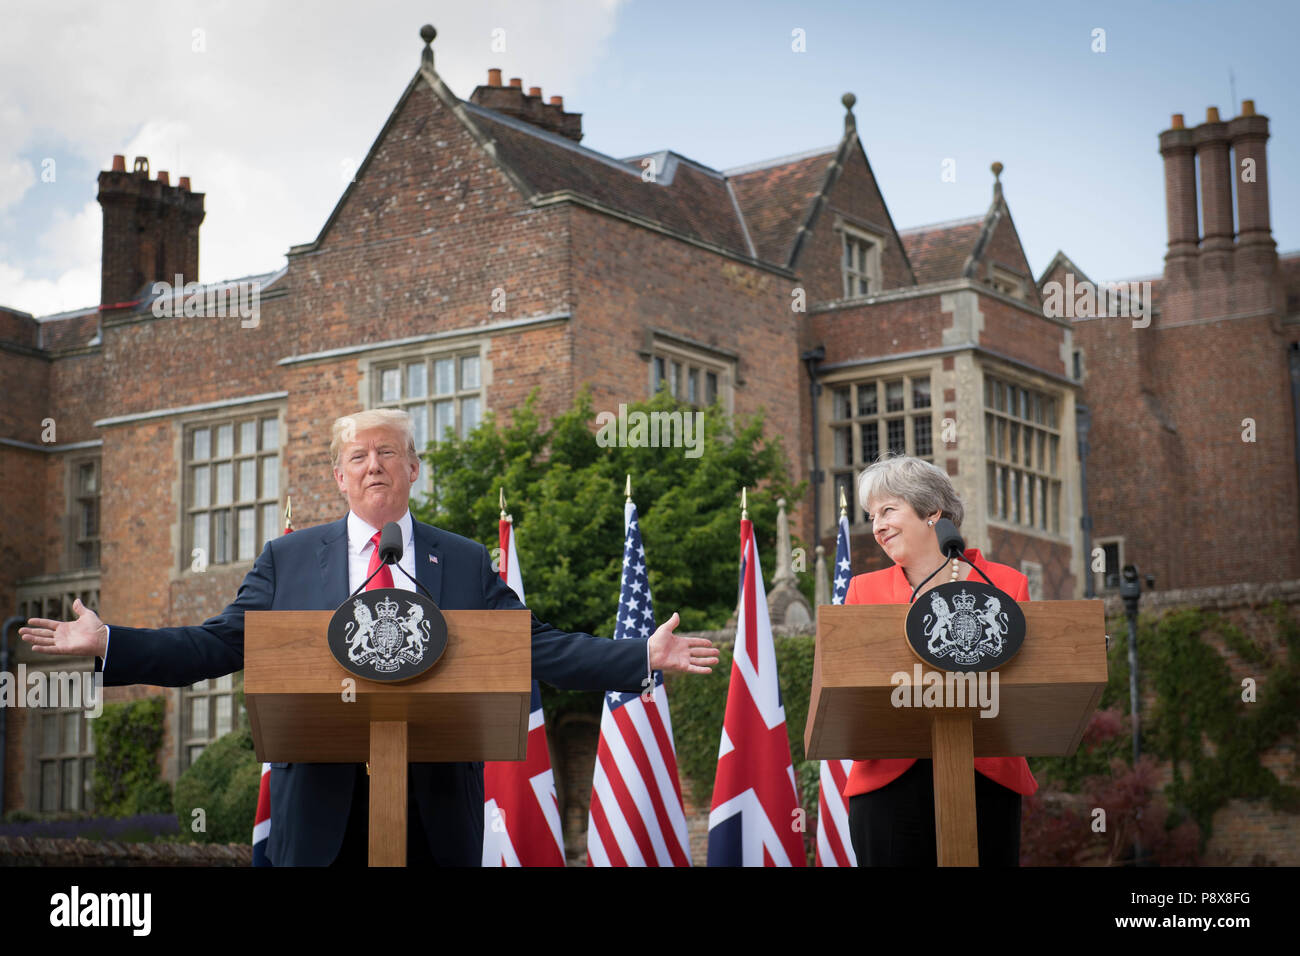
(375,474)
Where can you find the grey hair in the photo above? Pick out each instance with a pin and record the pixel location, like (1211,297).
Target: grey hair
(926,487)
(346,428)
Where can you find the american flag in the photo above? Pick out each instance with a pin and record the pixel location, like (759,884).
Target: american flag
(636,818)
(755,818)
(834,848)
(521,817)
(262,816)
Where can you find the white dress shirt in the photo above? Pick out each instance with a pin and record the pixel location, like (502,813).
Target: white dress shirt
(360,549)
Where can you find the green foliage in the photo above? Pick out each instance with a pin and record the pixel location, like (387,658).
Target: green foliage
(127,736)
(565,493)
(223,782)
(1199,722)
(698,704)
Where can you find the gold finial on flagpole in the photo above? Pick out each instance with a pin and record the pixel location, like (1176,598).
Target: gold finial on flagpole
(627,491)
(844,504)
(288,512)
(501,497)
(744,505)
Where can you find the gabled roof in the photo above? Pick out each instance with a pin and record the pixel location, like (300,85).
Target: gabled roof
(685,196)
(940,251)
(775,198)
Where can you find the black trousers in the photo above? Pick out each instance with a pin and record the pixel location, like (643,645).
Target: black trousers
(356,839)
(894,826)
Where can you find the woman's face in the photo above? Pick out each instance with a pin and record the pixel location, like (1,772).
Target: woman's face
(903,535)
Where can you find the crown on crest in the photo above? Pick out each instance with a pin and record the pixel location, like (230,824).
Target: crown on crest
(388,607)
(964,601)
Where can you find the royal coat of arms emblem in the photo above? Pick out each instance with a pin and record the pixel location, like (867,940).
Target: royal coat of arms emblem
(966,626)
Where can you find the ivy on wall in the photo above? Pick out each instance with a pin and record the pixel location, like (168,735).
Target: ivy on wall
(1212,739)
(127,736)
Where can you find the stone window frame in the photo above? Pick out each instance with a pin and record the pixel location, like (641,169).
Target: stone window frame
(1033,571)
(208,695)
(1099,577)
(676,362)
(844,474)
(1008,282)
(428,357)
(52,597)
(80,542)
(1006,469)
(865,266)
(268,484)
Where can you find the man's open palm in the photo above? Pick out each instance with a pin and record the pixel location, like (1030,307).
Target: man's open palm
(85,636)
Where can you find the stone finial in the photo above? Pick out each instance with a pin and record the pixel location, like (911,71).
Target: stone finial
(427,33)
(850,124)
(997,180)
(821,590)
(785,603)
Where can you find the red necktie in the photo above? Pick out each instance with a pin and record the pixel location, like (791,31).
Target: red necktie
(384,579)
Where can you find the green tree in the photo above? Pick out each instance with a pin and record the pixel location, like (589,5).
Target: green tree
(565,492)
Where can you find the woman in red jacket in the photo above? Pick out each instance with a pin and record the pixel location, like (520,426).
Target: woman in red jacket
(891,802)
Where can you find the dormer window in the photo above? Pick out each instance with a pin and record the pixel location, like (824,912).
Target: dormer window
(861,263)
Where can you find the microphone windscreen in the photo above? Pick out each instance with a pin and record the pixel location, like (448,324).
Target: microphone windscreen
(390,543)
(950,538)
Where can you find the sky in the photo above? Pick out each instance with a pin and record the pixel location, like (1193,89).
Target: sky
(269,106)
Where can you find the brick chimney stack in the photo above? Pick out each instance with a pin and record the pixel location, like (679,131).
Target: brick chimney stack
(1256,250)
(1217,242)
(1180,201)
(151,230)
(530,107)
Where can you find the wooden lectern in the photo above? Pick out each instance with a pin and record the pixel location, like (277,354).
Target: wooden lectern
(1046,694)
(471,705)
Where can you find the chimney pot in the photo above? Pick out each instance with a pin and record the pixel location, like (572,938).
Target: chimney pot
(119,163)
(517,82)
(1176,121)
(184,183)
(535,91)
(494,77)
(1247,107)
(1212,114)
(163,177)
(559,101)
(141,165)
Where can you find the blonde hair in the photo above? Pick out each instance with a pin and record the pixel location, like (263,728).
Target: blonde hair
(346,428)
(926,487)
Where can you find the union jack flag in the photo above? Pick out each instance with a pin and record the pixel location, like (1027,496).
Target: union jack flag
(755,812)
(636,818)
(834,848)
(521,817)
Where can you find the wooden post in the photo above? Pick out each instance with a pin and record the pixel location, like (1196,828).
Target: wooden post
(953,747)
(388,793)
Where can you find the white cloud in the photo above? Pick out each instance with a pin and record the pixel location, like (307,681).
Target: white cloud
(260,119)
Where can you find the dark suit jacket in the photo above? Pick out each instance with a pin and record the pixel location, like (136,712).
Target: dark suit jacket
(308,570)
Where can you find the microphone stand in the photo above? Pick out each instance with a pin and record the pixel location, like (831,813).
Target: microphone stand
(954,553)
(400,568)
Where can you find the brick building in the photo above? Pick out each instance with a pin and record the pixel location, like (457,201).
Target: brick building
(481,252)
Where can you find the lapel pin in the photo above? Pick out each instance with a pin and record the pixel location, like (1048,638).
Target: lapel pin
(433,558)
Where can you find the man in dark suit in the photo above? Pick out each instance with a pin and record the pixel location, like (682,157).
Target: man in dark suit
(319,810)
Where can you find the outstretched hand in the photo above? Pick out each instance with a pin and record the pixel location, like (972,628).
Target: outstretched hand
(686,655)
(85,636)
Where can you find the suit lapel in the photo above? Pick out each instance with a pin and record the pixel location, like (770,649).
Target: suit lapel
(428,559)
(333,555)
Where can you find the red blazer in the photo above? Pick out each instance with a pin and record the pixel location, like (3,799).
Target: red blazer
(890,587)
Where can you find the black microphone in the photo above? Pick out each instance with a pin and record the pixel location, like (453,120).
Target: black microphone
(950,539)
(952,545)
(390,543)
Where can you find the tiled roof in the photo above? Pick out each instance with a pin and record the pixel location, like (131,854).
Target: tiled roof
(939,251)
(693,200)
(775,200)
